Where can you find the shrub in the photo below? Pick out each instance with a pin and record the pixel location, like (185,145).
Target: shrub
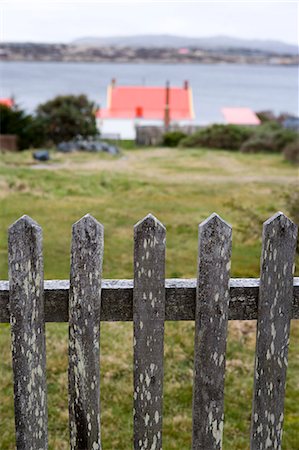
(29,129)
(255,144)
(65,117)
(173,138)
(268,138)
(291,152)
(229,137)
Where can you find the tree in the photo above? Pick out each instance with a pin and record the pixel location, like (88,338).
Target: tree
(29,129)
(65,117)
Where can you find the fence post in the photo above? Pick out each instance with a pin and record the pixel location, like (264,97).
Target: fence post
(148,318)
(212,301)
(84,334)
(273,329)
(28,333)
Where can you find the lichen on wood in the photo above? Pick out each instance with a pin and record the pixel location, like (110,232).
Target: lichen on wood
(148,318)
(273,330)
(26,300)
(84,334)
(211,316)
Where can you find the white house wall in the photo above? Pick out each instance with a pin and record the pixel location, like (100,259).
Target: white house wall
(125,128)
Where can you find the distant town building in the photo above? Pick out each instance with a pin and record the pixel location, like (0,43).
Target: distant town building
(131,106)
(240,116)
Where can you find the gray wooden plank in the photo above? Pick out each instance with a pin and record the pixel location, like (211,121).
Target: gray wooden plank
(273,328)
(117,300)
(148,318)
(84,334)
(211,316)
(28,333)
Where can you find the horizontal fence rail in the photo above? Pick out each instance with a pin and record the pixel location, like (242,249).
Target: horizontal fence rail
(27,302)
(180,299)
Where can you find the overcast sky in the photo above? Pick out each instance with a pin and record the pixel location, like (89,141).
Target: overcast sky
(63,21)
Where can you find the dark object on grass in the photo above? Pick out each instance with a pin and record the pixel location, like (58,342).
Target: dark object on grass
(109,148)
(41,155)
(65,147)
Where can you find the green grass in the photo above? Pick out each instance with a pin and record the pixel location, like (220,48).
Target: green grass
(181,187)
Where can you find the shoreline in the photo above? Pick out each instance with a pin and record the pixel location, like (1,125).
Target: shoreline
(149,62)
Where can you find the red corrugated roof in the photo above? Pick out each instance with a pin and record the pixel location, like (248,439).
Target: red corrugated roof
(6,102)
(240,116)
(148,102)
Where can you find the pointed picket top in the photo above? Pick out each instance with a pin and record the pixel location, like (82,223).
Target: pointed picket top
(87,239)
(25,244)
(213,220)
(279,239)
(87,221)
(214,238)
(149,221)
(22,223)
(275,216)
(280,221)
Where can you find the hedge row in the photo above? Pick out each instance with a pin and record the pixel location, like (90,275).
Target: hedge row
(269,137)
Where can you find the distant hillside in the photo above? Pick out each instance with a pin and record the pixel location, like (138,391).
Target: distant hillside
(210,43)
(154,49)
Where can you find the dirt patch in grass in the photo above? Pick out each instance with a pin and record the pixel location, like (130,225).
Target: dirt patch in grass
(4,188)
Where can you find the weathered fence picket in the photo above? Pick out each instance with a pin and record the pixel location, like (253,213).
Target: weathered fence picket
(148,318)
(26,280)
(273,330)
(211,300)
(211,332)
(84,334)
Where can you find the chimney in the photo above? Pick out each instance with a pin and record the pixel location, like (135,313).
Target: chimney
(186,84)
(167,109)
(113,83)
(138,111)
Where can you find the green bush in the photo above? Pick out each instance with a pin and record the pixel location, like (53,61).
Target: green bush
(229,137)
(255,144)
(291,152)
(67,116)
(270,137)
(173,138)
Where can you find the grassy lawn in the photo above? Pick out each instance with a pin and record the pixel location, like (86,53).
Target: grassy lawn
(180,187)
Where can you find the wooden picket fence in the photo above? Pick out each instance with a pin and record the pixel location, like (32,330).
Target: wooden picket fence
(211,300)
